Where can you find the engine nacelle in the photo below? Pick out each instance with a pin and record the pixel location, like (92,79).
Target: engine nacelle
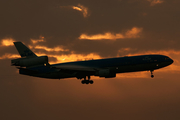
(106,73)
(27,62)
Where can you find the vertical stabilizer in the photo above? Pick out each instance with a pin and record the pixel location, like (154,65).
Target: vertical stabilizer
(23,50)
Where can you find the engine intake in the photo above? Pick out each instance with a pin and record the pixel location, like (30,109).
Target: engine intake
(27,62)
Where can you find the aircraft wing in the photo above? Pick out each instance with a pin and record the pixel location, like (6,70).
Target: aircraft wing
(28,70)
(75,68)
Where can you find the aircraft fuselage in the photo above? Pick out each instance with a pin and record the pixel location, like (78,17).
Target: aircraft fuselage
(92,67)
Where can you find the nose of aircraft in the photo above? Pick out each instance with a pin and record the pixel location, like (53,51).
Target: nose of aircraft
(168,60)
(171,60)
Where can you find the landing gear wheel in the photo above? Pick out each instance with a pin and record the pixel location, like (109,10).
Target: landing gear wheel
(87,81)
(152,76)
(91,82)
(83,82)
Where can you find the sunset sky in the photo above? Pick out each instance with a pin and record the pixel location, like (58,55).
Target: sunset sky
(75,30)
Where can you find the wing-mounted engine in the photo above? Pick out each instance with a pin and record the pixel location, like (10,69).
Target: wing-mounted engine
(28,62)
(107,73)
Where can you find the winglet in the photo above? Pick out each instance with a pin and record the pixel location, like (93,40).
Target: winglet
(23,50)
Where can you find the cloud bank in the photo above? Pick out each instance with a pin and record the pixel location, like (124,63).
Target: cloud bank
(133,33)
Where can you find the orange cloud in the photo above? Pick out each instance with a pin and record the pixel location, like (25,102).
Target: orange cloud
(154,2)
(133,33)
(36,41)
(60,58)
(76,8)
(7,42)
(41,39)
(124,51)
(10,56)
(74,57)
(82,9)
(55,49)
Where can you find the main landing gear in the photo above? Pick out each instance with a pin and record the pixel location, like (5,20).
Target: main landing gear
(152,76)
(87,81)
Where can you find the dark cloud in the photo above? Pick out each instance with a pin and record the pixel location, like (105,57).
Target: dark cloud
(25,20)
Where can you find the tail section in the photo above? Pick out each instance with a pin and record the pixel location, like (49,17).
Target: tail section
(28,58)
(23,50)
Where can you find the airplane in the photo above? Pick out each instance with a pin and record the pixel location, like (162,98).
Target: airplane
(38,66)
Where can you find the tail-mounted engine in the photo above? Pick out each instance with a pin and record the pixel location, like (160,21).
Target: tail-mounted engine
(28,62)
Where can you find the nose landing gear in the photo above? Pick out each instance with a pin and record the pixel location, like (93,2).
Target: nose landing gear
(152,76)
(87,81)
